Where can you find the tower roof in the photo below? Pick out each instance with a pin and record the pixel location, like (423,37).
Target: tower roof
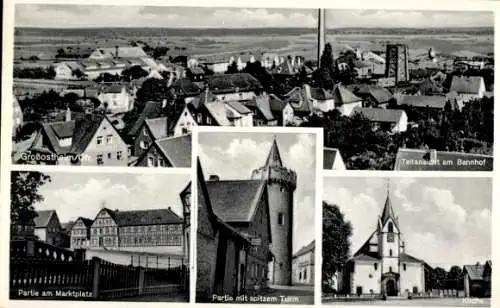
(274,157)
(388,212)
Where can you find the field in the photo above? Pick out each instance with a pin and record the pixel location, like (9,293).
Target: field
(44,43)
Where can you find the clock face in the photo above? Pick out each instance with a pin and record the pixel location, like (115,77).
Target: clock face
(390,237)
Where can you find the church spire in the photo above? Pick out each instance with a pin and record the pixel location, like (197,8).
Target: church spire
(274,157)
(388,212)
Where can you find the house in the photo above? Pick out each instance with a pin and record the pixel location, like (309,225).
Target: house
(17,117)
(218,113)
(303,265)
(261,108)
(196,74)
(48,227)
(430,102)
(90,140)
(235,87)
(64,71)
(281,110)
(371,95)
(124,52)
(80,233)
(185,89)
(477,280)
(300,101)
(332,160)
(270,60)
(468,88)
(392,120)
(382,265)
(345,101)
(221,260)
(173,152)
(185,122)
(116,98)
(154,231)
(92,69)
(151,110)
(431,159)
(151,130)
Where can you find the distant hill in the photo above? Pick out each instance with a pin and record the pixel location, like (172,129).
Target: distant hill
(140,32)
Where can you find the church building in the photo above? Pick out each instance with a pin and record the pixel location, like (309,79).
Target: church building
(381,265)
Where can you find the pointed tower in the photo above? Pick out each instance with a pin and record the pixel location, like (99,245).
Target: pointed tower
(390,247)
(321,33)
(281,184)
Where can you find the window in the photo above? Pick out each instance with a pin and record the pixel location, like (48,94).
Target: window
(199,118)
(99,160)
(151,161)
(404,266)
(375,265)
(209,120)
(109,155)
(281,219)
(282,189)
(305,274)
(185,131)
(109,139)
(390,252)
(99,140)
(119,155)
(161,163)
(145,132)
(391,227)
(300,276)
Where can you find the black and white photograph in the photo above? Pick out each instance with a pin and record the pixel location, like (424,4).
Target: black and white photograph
(255,241)
(407,241)
(392,89)
(99,236)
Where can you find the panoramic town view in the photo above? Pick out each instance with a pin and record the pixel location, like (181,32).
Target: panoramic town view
(407,241)
(393,90)
(99,237)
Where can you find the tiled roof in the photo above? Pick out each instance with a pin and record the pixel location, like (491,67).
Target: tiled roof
(262,102)
(364,256)
(151,110)
(475,271)
(43,218)
(158,127)
(186,87)
(305,249)
(228,83)
(235,201)
(380,114)
(276,104)
(431,101)
(239,107)
(87,222)
(342,95)
(177,150)
(218,111)
(422,160)
(85,130)
(469,85)
(297,98)
(409,259)
(66,226)
(146,217)
(320,94)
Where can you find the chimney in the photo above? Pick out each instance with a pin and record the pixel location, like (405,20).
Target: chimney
(67,117)
(214,178)
(321,33)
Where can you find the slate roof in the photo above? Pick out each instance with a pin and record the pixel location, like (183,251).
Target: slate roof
(388,213)
(229,83)
(239,107)
(43,218)
(380,114)
(423,101)
(329,156)
(151,110)
(274,156)
(177,150)
(420,160)
(145,217)
(342,95)
(470,85)
(158,127)
(305,249)
(235,201)
(475,271)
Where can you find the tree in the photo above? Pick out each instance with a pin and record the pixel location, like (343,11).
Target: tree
(326,68)
(455,278)
(233,68)
(24,190)
(134,72)
(335,240)
(152,90)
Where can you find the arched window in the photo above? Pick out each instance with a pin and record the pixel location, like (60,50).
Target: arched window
(390,269)
(391,227)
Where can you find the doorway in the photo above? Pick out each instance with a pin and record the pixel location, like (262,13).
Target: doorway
(390,287)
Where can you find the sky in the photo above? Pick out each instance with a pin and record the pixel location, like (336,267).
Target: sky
(444,221)
(234,156)
(51,15)
(82,194)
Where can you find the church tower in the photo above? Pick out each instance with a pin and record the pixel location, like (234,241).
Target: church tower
(281,184)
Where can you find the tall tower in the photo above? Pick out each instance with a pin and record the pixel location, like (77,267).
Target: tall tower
(397,62)
(390,248)
(321,33)
(281,184)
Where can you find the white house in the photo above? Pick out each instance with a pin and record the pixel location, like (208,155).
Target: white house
(185,123)
(63,71)
(117,98)
(392,120)
(468,88)
(345,101)
(321,100)
(381,265)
